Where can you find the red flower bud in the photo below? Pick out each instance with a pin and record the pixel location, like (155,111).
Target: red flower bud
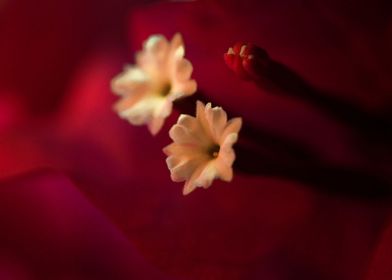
(247,60)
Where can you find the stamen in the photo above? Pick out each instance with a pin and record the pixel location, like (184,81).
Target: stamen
(214,151)
(166,90)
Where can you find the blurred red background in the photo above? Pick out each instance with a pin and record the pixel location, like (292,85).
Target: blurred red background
(84,195)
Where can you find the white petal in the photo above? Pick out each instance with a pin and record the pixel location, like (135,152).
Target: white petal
(191,124)
(183,150)
(155,125)
(143,111)
(127,102)
(182,70)
(202,118)
(194,130)
(199,108)
(185,169)
(206,177)
(182,89)
(172,161)
(181,135)
(177,46)
(227,156)
(217,120)
(165,109)
(132,80)
(188,188)
(232,126)
(190,184)
(180,52)
(226,152)
(225,172)
(160,113)
(153,58)
(187,121)
(229,140)
(155,43)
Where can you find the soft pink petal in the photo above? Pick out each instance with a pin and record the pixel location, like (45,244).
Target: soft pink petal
(206,177)
(225,171)
(181,135)
(177,48)
(131,81)
(182,70)
(188,121)
(190,184)
(182,89)
(155,125)
(156,45)
(184,170)
(127,102)
(184,150)
(172,161)
(232,126)
(226,153)
(217,119)
(194,128)
(201,117)
(140,113)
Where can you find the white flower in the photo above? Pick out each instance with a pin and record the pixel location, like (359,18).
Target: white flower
(160,76)
(202,149)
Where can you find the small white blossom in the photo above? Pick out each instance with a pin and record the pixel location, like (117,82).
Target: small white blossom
(160,76)
(202,148)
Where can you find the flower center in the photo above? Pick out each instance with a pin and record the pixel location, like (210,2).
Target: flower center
(213,151)
(166,90)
